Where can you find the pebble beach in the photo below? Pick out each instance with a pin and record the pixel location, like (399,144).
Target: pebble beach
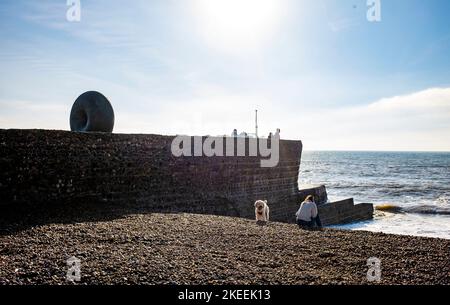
(159,248)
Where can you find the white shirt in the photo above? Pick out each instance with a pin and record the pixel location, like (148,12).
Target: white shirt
(307,211)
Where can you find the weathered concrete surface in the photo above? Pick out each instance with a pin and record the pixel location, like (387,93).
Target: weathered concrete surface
(43,167)
(332,213)
(345,211)
(319,192)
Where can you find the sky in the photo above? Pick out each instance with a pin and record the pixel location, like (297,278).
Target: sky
(317,69)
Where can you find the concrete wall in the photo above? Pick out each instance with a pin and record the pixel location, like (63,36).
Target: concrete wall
(59,167)
(339,212)
(344,211)
(317,190)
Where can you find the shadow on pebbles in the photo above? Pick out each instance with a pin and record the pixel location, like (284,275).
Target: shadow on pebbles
(201,249)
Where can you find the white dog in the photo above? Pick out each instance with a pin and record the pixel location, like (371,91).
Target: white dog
(261,211)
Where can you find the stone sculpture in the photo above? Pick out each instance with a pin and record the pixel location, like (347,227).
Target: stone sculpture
(92,112)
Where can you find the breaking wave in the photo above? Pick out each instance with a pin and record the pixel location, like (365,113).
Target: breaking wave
(416,184)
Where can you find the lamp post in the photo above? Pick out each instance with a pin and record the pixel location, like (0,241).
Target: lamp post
(256,122)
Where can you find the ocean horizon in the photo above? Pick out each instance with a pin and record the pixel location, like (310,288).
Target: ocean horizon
(417,182)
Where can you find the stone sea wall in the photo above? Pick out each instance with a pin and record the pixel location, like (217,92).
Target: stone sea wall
(43,167)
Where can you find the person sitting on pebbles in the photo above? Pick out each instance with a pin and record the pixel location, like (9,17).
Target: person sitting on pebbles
(308,215)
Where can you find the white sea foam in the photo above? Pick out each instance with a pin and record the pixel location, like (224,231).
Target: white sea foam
(416,182)
(405,224)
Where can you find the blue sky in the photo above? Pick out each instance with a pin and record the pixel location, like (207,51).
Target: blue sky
(316,69)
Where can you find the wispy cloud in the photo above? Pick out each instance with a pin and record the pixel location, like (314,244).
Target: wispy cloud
(31,115)
(346,17)
(342,24)
(161,76)
(98,26)
(415,121)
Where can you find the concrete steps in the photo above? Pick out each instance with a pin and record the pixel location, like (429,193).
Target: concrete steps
(335,213)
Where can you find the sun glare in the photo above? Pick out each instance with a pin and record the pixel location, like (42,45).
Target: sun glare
(238,24)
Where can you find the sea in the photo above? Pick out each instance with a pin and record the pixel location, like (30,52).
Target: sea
(416,182)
